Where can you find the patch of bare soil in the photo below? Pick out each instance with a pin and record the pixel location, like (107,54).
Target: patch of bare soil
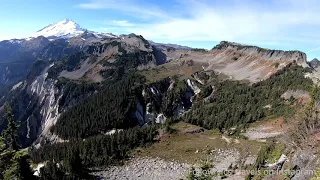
(267,129)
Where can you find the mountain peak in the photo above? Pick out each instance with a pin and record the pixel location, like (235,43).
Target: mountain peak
(314,63)
(64,28)
(66,19)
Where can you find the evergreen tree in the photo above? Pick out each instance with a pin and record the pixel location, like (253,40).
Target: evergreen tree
(13,161)
(5,157)
(24,169)
(51,172)
(74,165)
(11,133)
(21,167)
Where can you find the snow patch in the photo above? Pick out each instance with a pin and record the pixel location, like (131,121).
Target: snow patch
(17,41)
(37,169)
(113,131)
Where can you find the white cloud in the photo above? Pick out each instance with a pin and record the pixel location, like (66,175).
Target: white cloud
(127,6)
(122,23)
(279,22)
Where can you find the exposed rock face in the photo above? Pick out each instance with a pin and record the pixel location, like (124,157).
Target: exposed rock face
(194,87)
(240,62)
(315,74)
(157,100)
(262,53)
(41,110)
(49,96)
(314,63)
(37,105)
(299,95)
(305,161)
(251,62)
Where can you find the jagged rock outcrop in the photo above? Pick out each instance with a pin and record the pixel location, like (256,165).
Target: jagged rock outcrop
(304,161)
(314,63)
(314,75)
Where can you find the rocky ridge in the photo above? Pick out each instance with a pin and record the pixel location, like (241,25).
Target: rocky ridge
(239,62)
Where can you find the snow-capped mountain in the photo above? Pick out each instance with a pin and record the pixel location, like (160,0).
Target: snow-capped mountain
(64,28)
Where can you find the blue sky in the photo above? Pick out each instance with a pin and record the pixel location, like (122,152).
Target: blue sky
(274,24)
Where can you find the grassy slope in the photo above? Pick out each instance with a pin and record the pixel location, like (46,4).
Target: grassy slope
(182,146)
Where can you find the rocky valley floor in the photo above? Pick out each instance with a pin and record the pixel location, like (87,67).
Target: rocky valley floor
(173,156)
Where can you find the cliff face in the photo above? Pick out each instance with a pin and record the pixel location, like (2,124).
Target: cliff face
(36,104)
